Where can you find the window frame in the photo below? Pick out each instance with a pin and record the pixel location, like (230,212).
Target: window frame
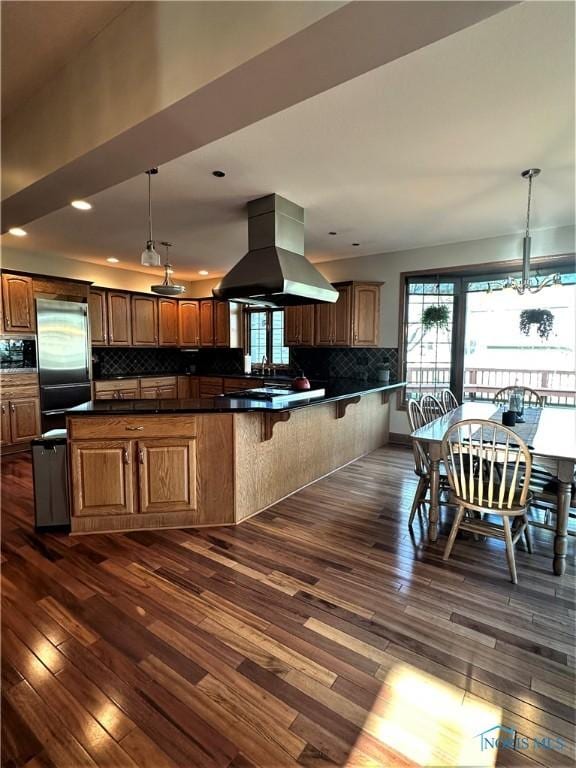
(269,337)
(462,276)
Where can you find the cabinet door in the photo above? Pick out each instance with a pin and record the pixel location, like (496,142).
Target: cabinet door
(221,324)
(292,326)
(207,323)
(342,327)
(98,318)
(129,393)
(119,319)
(210,386)
(144,321)
(188,323)
(168,392)
(366,315)
(18,304)
(194,388)
(183,387)
(307,326)
(167,322)
(92,462)
(24,419)
(5,424)
(167,475)
(324,325)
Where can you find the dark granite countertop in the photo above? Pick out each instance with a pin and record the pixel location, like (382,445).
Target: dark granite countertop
(336,389)
(270,377)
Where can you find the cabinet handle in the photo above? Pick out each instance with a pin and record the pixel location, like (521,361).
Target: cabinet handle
(134,429)
(12,407)
(141,456)
(126,456)
(121,395)
(115,396)
(7,320)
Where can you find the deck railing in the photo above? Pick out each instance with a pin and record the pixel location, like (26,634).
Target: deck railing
(558,387)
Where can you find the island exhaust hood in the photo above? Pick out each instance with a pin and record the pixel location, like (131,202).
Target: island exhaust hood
(274,272)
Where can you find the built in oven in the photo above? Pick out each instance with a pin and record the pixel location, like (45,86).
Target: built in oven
(18,355)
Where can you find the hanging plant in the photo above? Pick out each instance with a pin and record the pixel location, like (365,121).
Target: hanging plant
(436,316)
(543,319)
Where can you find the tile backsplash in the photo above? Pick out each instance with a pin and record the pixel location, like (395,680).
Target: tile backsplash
(138,362)
(342,362)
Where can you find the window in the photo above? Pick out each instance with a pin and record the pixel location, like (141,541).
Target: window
(265,336)
(478,347)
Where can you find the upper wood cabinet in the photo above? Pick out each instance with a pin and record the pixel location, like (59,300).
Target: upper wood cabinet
(144,321)
(119,319)
(167,322)
(98,317)
(354,319)
(188,323)
(207,323)
(18,304)
(299,326)
(221,324)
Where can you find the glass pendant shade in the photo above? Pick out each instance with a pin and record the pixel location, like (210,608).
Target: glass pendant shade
(167,288)
(150,256)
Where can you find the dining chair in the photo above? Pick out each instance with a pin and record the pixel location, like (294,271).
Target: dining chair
(431,408)
(448,401)
(489,469)
(529,396)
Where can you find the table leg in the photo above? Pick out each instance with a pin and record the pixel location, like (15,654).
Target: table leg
(435,455)
(565,476)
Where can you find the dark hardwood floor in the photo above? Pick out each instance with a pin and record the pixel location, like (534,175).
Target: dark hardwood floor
(320,632)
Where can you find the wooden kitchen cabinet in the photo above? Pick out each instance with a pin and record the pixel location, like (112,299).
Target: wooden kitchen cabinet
(119,319)
(162,387)
(207,323)
(354,319)
(167,322)
(102,477)
(24,420)
(167,475)
(18,304)
(221,311)
(188,323)
(144,321)
(5,431)
(299,326)
(210,386)
(98,317)
(119,389)
(20,409)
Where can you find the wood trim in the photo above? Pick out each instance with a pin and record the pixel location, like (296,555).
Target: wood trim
(342,405)
(269,422)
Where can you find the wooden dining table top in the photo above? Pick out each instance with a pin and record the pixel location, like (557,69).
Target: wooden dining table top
(555,436)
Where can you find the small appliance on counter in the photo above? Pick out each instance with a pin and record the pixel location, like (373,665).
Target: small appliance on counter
(49,471)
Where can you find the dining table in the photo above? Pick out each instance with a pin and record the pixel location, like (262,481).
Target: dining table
(551,438)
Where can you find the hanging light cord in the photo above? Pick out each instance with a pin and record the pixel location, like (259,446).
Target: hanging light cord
(149,205)
(530,177)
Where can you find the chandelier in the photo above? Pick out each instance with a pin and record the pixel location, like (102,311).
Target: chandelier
(167,288)
(530,283)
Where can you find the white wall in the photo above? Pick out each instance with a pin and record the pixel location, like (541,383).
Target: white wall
(387,267)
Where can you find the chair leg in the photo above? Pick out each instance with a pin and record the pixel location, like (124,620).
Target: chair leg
(527,536)
(418,499)
(510,550)
(453,532)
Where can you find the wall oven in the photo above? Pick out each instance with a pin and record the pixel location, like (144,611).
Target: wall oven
(18,355)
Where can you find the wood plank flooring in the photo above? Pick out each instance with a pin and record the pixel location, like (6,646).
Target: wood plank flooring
(319,633)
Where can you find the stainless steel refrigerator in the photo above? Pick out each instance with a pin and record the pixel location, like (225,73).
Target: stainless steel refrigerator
(63,358)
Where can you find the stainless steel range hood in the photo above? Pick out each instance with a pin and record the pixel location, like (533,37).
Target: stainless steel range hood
(275,272)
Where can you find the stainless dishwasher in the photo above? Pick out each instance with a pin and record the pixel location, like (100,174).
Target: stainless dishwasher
(50,472)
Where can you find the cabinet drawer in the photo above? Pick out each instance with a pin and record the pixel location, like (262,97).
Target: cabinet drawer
(98,427)
(115,384)
(19,393)
(158,381)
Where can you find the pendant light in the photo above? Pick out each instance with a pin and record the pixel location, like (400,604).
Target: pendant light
(167,288)
(150,256)
(530,283)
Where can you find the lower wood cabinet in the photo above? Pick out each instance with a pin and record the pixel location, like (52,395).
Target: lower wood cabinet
(102,477)
(20,420)
(167,475)
(124,389)
(130,477)
(210,386)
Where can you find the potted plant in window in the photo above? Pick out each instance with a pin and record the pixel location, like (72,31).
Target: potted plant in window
(543,319)
(436,316)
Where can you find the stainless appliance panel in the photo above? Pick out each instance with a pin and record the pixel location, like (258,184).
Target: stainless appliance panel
(62,342)
(57,398)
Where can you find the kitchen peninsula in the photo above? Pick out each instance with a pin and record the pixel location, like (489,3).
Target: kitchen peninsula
(148,464)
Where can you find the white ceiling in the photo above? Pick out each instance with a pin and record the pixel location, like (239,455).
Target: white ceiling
(425,150)
(38,38)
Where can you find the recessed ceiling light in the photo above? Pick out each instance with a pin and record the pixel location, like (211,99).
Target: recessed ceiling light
(332,233)
(202,271)
(355,244)
(81,205)
(112,260)
(219,174)
(17,232)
